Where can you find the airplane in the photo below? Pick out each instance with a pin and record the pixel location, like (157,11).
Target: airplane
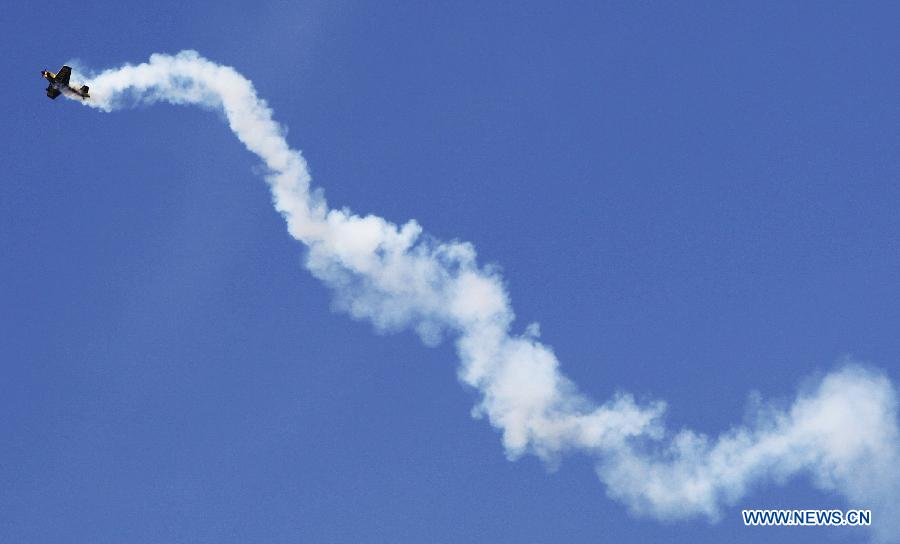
(59,83)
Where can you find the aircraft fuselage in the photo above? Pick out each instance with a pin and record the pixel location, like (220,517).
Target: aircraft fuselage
(63,86)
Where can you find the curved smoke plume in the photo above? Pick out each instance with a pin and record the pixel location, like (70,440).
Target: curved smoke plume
(842,432)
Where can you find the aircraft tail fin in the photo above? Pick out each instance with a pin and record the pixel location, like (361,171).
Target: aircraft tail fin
(84,89)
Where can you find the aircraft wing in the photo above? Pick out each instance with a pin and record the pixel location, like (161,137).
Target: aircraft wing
(53,92)
(63,76)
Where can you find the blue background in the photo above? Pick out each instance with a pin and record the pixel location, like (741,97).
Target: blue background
(696,202)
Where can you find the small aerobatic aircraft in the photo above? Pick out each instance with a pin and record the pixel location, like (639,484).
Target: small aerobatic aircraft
(59,83)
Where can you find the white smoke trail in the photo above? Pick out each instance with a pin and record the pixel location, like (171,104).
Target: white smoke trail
(843,432)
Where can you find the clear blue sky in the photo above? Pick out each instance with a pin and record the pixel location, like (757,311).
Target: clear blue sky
(694,203)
